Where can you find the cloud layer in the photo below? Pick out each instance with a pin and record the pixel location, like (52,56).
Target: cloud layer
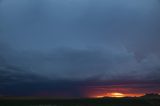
(81,39)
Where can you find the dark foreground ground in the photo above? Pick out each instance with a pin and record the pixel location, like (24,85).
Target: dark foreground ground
(82,102)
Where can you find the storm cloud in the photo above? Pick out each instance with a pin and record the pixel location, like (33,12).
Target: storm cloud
(81,40)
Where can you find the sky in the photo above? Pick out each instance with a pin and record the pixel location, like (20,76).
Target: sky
(79,48)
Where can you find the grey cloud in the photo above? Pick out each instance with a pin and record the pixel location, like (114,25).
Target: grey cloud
(83,64)
(10,72)
(81,39)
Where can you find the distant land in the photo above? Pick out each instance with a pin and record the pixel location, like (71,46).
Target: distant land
(146,100)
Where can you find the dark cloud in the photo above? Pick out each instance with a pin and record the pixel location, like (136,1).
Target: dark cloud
(79,40)
(70,89)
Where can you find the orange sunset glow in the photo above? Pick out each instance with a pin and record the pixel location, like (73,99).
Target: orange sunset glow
(117,95)
(109,91)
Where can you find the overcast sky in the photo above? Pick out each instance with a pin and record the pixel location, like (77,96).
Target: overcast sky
(80,40)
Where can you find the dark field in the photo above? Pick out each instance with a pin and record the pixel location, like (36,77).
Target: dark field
(82,102)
